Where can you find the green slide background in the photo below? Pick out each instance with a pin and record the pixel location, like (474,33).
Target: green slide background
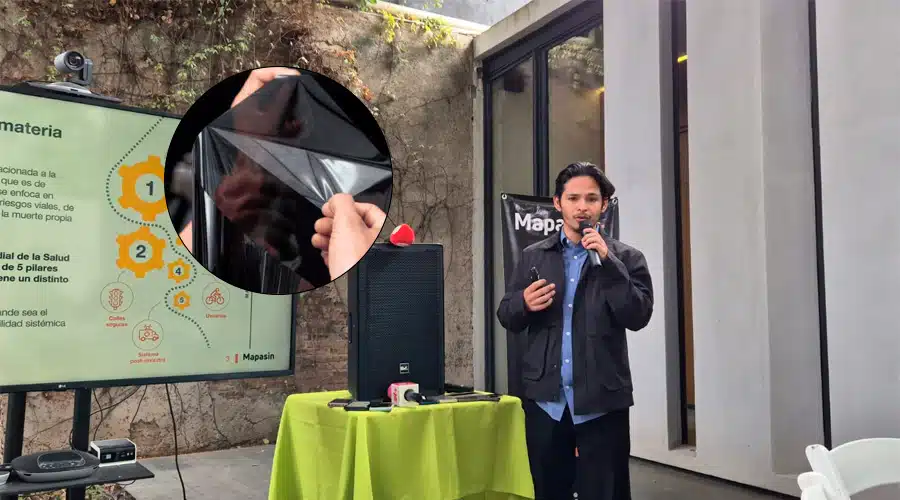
(96,343)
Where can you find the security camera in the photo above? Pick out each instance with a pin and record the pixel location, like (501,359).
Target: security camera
(73,62)
(70,61)
(80,70)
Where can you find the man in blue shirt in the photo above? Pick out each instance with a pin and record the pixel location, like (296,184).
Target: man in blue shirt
(575,370)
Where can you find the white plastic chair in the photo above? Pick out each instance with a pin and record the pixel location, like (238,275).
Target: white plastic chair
(850,468)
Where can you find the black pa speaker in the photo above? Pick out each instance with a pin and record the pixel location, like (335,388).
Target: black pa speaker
(396,322)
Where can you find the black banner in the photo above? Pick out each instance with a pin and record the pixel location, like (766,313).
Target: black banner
(527,220)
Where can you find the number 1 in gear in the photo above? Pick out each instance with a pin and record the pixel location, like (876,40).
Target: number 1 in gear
(130,199)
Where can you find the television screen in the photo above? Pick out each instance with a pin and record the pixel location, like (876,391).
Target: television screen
(96,288)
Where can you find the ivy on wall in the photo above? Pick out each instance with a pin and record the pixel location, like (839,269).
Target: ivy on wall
(162,54)
(168,52)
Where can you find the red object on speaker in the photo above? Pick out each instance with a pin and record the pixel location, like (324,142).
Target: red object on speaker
(403,235)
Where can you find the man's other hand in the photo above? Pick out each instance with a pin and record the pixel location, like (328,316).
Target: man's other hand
(346,232)
(258,78)
(539,295)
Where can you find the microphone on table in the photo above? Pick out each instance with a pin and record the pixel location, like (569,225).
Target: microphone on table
(405,394)
(402,236)
(592,254)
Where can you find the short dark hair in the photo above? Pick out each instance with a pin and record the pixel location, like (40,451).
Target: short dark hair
(583,168)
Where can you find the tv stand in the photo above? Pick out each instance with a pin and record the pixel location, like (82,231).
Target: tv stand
(81,436)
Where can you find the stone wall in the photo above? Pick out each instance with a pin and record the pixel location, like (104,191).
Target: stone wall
(419,87)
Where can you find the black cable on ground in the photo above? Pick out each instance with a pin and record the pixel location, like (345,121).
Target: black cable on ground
(175,436)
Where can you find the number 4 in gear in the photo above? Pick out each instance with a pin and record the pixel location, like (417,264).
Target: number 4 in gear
(179,271)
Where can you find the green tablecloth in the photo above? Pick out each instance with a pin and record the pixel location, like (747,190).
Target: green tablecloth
(453,451)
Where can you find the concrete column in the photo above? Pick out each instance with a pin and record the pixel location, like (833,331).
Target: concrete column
(639,153)
(859,111)
(758,382)
(478,215)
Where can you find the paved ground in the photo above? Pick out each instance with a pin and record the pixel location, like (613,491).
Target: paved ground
(244,474)
(241,473)
(651,481)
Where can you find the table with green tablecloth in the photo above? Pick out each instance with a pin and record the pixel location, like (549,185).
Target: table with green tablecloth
(447,451)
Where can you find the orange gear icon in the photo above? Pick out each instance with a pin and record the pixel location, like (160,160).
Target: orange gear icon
(185,270)
(130,199)
(181,300)
(140,269)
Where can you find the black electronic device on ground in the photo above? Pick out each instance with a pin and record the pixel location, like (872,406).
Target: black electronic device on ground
(396,321)
(51,466)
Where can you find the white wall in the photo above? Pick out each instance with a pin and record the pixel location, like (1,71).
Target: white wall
(753,243)
(758,388)
(859,105)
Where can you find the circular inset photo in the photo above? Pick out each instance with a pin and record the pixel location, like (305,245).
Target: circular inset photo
(278,180)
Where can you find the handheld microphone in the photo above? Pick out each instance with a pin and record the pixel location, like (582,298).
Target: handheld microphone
(592,254)
(405,394)
(403,235)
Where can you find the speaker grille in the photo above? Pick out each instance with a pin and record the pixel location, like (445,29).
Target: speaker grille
(401,318)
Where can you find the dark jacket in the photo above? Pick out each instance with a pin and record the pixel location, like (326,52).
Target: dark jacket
(609,299)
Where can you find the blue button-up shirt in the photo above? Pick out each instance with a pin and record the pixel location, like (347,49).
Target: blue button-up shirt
(575,256)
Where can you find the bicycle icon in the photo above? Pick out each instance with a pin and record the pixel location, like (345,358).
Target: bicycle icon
(215,298)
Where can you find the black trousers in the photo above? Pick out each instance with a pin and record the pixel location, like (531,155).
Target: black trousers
(601,470)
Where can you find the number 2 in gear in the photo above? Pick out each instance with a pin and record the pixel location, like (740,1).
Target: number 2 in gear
(153,245)
(130,199)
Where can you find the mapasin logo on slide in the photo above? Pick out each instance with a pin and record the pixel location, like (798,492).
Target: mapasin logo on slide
(251,357)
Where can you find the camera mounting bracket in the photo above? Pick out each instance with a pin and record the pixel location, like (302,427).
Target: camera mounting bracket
(71,89)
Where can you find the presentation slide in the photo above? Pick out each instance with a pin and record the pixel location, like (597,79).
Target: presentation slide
(95,285)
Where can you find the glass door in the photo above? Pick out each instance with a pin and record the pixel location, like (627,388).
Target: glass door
(575,94)
(512,105)
(543,109)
